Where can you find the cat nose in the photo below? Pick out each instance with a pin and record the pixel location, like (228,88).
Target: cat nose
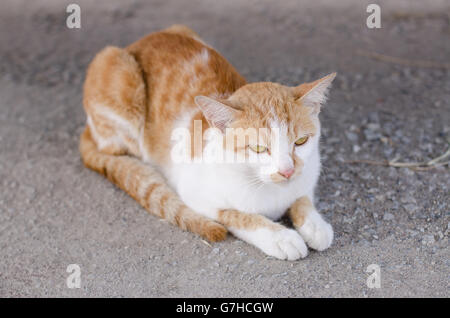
(287,173)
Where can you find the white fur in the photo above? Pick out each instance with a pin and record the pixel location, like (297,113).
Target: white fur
(210,187)
(188,66)
(123,128)
(118,120)
(317,233)
(101,141)
(282,244)
(283,154)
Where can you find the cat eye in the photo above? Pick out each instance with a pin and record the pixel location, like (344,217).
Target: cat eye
(258,148)
(301,141)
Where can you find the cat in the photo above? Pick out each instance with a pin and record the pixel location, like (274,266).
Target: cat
(136,97)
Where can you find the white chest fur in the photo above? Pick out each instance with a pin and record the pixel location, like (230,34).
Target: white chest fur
(207,188)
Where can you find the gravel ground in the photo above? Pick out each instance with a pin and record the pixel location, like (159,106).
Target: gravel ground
(54,212)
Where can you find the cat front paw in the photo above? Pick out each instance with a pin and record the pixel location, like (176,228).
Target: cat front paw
(284,244)
(317,233)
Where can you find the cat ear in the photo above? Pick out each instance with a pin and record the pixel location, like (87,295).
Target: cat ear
(216,113)
(314,94)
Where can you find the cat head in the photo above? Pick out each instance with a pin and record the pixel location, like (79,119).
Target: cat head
(284,118)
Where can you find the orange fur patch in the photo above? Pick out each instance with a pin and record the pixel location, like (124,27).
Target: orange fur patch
(246,221)
(299,210)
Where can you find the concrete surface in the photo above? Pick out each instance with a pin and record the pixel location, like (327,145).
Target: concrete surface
(54,212)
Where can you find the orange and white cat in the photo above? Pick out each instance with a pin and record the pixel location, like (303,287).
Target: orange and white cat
(136,97)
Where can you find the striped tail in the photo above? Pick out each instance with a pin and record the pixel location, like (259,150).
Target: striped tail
(148,187)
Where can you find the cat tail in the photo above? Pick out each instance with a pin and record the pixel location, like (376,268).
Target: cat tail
(148,187)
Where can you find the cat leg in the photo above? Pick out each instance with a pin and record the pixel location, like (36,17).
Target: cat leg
(147,186)
(270,237)
(317,233)
(114,101)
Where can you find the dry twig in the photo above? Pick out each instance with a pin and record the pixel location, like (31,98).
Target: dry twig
(402,61)
(420,166)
